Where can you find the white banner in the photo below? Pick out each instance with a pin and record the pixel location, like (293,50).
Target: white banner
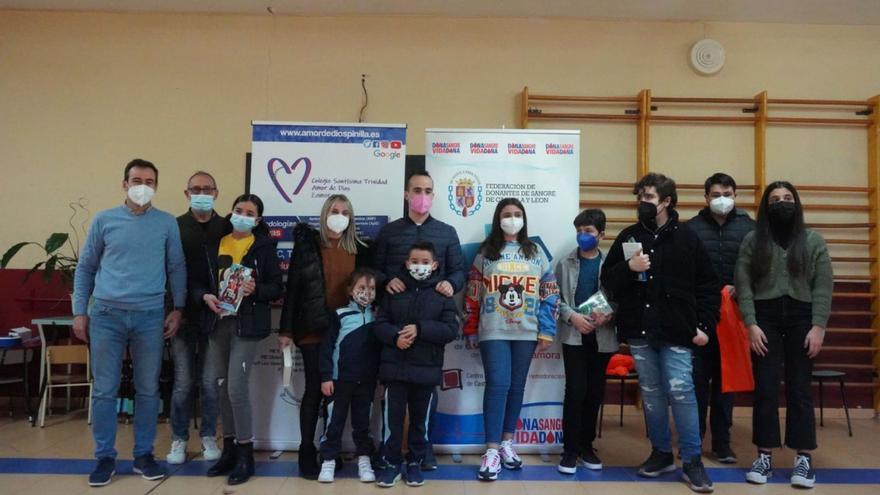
(474,169)
(295,167)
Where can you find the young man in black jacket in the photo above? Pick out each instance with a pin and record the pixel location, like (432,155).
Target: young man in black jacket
(668,297)
(721,226)
(200,227)
(414,327)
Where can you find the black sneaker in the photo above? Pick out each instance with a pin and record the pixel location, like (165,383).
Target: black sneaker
(657,464)
(803,475)
(388,476)
(414,474)
(429,463)
(568,463)
(103,472)
(147,467)
(762,469)
(724,454)
(694,474)
(590,460)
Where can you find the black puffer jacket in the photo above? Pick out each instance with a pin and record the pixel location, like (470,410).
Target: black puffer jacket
(395,239)
(722,241)
(435,317)
(254,313)
(682,291)
(305,308)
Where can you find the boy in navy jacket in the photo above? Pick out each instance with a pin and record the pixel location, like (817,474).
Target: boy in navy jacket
(413,326)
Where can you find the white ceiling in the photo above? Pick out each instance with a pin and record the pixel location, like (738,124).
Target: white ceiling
(847,12)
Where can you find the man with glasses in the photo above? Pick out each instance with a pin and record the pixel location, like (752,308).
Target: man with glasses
(200,226)
(130,253)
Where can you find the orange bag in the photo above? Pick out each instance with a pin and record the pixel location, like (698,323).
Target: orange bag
(620,365)
(733,341)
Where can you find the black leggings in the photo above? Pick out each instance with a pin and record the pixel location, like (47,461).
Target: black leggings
(310,409)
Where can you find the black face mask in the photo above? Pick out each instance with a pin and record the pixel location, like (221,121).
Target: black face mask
(781,213)
(647,212)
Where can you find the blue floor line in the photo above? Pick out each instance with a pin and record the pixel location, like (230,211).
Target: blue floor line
(449,472)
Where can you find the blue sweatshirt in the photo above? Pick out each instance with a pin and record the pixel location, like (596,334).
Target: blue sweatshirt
(125,260)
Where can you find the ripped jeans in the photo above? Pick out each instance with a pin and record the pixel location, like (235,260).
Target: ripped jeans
(666,378)
(233,358)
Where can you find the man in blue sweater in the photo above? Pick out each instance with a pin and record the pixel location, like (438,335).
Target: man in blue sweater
(129,254)
(392,251)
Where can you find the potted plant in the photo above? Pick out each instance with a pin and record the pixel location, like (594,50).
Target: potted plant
(57,259)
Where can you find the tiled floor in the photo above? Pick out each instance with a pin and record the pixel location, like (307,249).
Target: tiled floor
(31,458)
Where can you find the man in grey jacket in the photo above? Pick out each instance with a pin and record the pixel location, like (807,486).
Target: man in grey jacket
(587,346)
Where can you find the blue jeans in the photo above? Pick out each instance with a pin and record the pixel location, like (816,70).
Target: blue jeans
(506,364)
(111,330)
(190,353)
(666,377)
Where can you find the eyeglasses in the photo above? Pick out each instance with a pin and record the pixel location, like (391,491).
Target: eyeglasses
(202,190)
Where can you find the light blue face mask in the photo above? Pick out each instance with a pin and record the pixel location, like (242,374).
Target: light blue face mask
(242,223)
(201,202)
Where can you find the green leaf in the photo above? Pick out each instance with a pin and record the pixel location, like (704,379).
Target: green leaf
(55,241)
(50,268)
(33,270)
(11,252)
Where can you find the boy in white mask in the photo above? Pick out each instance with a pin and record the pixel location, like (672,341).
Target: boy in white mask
(413,326)
(722,227)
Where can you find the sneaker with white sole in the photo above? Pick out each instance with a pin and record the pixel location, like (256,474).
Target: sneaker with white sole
(328,471)
(803,476)
(210,450)
(365,469)
(177,454)
(509,459)
(762,469)
(491,466)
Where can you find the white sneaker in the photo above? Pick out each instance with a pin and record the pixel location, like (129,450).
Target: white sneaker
(365,469)
(210,451)
(509,459)
(328,470)
(177,455)
(491,466)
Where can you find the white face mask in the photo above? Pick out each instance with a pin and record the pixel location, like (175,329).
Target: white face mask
(721,205)
(511,225)
(420,272)
(141,194)
(337,223)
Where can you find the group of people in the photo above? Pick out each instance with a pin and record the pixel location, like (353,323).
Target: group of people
(363,312)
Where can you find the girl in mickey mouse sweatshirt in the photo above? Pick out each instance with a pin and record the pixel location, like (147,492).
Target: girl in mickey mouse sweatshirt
(511,302)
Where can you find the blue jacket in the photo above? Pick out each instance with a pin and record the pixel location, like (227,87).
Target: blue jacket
(435,318)
(349,350)
(395,239)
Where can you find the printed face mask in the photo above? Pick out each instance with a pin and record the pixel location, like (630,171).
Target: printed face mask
(141,194)
(419,271)
(511,225)
(337,223)
(364,298)
(242,223)
(201,202)
(721,205)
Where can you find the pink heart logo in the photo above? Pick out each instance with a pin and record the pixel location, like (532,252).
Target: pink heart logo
(289,169)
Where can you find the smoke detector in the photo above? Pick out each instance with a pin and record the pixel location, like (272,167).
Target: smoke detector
(707,56)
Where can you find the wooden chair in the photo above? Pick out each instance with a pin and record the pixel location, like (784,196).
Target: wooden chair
(66,355)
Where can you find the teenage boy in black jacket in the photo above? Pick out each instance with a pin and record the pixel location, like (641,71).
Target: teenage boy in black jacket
(668,297)
(414,326)
(722,227)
